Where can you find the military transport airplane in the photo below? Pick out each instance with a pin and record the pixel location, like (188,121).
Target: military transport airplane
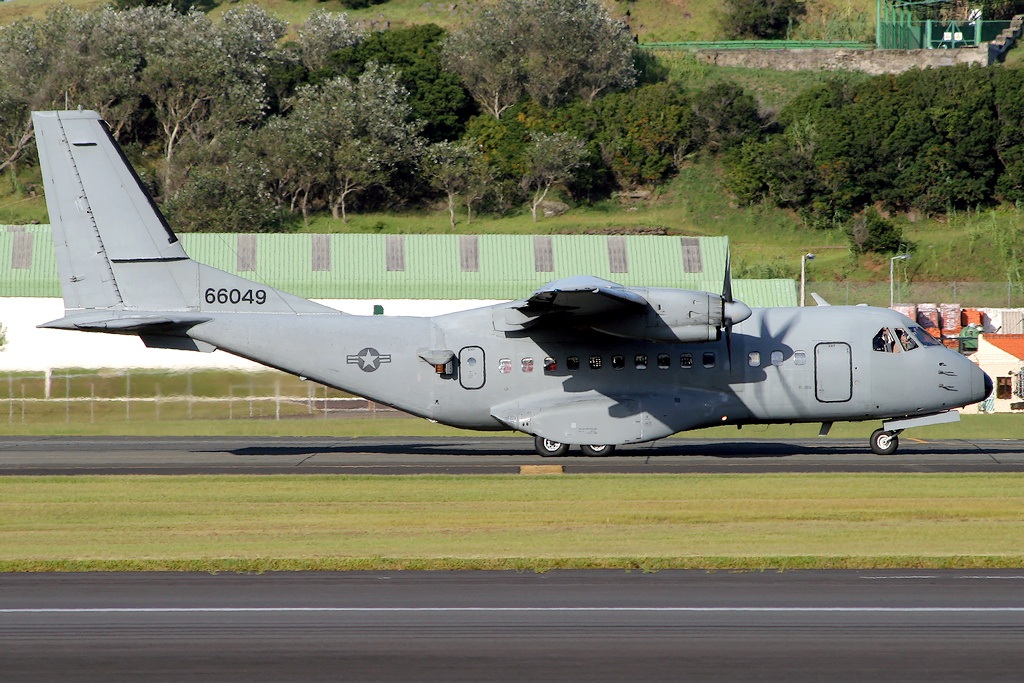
(580,361)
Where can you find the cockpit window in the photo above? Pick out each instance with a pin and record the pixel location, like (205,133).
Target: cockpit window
(884,341)
(895,340)
(905,339)
(923,337)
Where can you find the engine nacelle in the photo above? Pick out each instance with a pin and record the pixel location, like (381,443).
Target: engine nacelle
(676,315)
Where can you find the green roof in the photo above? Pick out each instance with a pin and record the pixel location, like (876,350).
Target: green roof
(364,266)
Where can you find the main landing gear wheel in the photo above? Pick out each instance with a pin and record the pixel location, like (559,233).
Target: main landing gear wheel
(597,450)
(549,448)
(883,442)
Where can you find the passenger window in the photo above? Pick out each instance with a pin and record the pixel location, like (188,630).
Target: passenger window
(754,359)
(596,362)
(527,365)
(664,361)
(618,362)
(640,361)
(709,359)
(777,357)
(505,366)
(800,357)
(572,363)
(686,360)
(550,365)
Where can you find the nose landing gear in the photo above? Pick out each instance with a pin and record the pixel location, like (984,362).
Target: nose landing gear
(885,442)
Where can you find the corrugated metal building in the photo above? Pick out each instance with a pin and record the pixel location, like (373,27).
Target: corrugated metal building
(479,267)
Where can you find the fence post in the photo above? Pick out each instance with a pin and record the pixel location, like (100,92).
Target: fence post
(188,390)
(92,402)
(67,396)
(277,399)
(128,396)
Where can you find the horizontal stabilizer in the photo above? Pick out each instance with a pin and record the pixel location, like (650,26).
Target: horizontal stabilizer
(128,324)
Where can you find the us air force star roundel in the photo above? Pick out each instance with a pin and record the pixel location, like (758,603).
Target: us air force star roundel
(369,359)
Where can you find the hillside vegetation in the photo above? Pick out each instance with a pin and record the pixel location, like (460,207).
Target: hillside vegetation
(673,146)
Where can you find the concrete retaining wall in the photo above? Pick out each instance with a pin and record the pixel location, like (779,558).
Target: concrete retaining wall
(869,61)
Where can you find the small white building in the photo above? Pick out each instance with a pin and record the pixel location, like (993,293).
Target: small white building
(1002,357)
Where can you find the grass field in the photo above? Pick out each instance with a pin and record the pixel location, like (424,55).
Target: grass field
(336,522)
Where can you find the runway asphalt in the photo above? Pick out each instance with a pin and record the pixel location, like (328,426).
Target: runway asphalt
(503,626)
(483,455)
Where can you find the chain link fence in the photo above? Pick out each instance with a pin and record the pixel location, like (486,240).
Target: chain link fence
(153,395)
(967,294)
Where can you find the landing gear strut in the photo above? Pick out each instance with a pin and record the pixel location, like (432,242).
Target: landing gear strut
(884,442)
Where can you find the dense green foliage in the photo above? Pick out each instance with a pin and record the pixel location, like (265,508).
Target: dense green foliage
(763,19)
(236,130)
(926,141)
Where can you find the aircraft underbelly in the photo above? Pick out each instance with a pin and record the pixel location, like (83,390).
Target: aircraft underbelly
(593,418)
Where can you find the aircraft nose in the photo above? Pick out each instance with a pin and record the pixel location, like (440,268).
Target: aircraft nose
(735,311)
(981,384)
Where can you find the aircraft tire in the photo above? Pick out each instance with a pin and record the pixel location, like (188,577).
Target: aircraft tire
(883,442)
(594,450)
(548,448)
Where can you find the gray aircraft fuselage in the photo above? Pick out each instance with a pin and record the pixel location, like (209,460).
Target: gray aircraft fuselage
(811,364)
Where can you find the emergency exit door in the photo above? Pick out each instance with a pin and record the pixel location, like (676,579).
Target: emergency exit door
(472,370)
(833,372)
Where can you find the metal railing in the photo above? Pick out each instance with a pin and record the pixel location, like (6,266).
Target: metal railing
(760,45)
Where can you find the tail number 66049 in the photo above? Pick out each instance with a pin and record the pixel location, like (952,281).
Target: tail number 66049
(236,296)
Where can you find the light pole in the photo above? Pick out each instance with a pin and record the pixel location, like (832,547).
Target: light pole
(803,274)
(892,262)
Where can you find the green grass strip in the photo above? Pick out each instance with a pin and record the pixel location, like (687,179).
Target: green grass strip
(644,522)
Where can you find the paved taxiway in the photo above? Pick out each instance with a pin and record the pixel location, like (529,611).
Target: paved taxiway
(484,455)
(493,626)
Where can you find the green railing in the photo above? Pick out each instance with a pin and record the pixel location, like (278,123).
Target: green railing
(759,45)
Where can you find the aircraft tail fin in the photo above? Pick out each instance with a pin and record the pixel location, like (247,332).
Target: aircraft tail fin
(115,251)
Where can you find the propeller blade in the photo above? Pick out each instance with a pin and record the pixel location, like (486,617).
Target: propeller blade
(727,285)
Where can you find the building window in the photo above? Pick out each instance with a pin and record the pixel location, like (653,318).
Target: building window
(686,360)
(664,361)
(618,362)
(709,359)
(596,362)
(572,363)
(1004,389)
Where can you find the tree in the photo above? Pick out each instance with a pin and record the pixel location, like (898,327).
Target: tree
(436,95)
(202,77)
(761,18)
(552,50)
(871,232)
(448,167)
(324,33)
(551,159)
(347,136)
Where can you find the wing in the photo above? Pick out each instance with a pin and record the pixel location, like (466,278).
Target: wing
(591,303)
